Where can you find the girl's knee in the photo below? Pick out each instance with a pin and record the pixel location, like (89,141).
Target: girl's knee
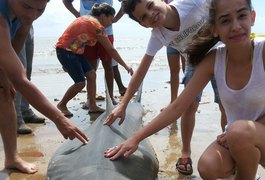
(203,163)
(205,167)
(81,85)
(239,132)
(91,75)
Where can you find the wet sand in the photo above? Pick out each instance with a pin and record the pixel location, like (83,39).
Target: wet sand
(39,146)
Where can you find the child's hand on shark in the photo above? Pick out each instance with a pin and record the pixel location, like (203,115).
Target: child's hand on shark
(118,112)
(125,149)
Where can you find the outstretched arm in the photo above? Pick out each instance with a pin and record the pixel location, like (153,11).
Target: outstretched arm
(172,112)
(120,13)
(105,42)
(12,67)
(136,80)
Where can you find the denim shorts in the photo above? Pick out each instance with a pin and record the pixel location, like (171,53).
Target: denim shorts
(188,75)
(172,51)
(74,64)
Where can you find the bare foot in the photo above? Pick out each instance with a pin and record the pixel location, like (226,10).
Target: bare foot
(122,91)
(22,166)
(64,110)
(95,109)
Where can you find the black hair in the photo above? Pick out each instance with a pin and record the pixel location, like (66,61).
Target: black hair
(103,8)
(205,40)
(129,7)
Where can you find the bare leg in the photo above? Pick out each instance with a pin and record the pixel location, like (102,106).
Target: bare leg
(246,144)
(187,126)
(215,162)
(8,131)
(109,76)
(174,65)
(94,64)
(117,77)
(70,94)
(91,83)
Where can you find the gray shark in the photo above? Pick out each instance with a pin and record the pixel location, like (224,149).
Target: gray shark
(75,161)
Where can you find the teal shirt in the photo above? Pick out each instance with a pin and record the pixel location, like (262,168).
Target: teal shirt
(13,24)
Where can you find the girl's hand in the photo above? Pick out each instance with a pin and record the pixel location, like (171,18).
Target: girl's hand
(125,149)
(221,139)
(118,112)
(130,70)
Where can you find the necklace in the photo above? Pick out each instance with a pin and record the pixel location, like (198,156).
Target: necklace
(251,56)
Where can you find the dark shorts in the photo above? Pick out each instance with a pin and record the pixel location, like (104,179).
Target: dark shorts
(74,64)
(187,78)
(172,51)
(98,51)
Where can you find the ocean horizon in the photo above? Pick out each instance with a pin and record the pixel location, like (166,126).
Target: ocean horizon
(131,49)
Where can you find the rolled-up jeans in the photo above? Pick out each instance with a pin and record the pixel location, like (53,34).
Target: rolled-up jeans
(26,57)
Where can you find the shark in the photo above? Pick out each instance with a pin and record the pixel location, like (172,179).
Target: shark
(76,161)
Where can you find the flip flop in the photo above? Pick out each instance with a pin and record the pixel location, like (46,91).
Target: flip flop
(99,98)
(182,166)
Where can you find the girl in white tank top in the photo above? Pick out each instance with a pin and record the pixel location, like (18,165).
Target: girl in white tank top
(239,68)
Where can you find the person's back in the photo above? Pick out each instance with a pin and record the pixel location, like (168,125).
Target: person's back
(76,39)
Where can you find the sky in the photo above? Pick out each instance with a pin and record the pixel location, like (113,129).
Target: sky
(56,18)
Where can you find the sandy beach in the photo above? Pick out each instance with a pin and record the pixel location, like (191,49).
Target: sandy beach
(39,146)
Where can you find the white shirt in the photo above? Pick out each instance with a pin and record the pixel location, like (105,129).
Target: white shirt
(247,103)
(193,14)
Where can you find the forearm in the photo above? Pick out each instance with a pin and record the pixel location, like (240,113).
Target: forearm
(115,55)
(17,75)
(137,79)
(38,100)
(118,16)
(165,118)
(133,86)
(71,8)
(120,13)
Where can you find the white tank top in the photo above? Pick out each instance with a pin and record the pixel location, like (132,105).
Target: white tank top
(247,103)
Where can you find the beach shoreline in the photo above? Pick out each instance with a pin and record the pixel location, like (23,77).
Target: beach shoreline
(40,146)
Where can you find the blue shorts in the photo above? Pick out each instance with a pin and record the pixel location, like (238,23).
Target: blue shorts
(74,64)
(172,51)
(188,75)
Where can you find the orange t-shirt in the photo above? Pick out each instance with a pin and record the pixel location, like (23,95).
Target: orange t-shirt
(80,33)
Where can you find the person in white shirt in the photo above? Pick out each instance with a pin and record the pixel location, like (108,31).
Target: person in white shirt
(239,69)
(174,25)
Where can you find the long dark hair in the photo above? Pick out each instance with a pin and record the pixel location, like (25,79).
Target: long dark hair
(205,40)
